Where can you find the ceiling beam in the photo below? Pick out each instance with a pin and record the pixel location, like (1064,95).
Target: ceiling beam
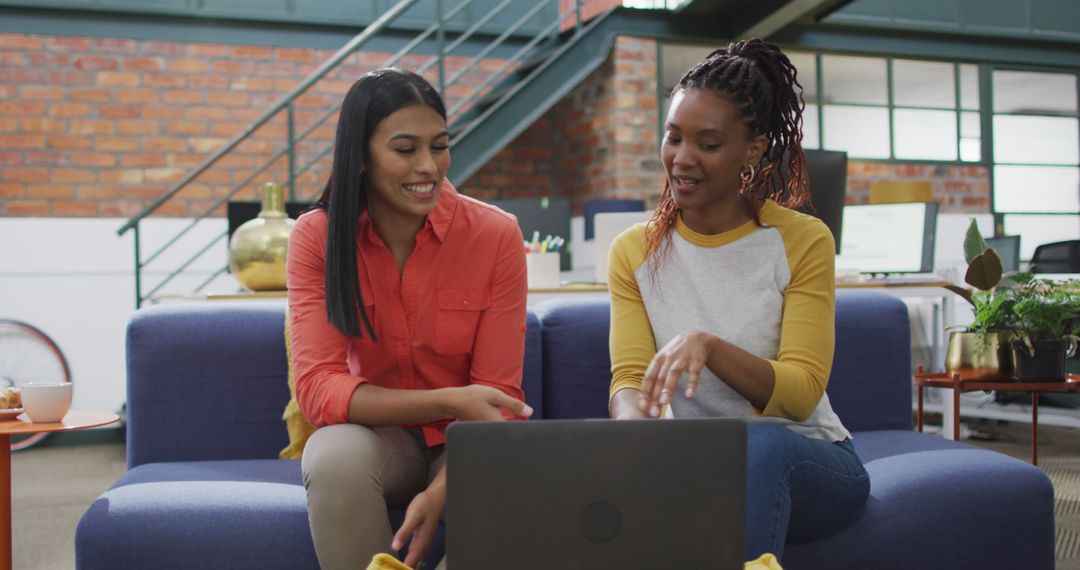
(764,18)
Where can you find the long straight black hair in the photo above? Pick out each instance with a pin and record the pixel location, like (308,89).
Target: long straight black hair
(375,96)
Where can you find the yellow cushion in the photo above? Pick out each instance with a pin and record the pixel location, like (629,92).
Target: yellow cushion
(297,425)
(386,562)
(765,562)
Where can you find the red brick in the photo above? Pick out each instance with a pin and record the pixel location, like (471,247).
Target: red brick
(8,125)
(142,160)
(252,52)
(118,78)
(89,94)
(294,54)
(112,111)
(137,127)
(165,144)
(167,175)
(67,43)
(9,191)
(117,176)
(144,64)
(48,190)
(161,47)
(99,159)
(183,97)
(22,108)
(162,81)
(144,190)
(74,208)
(114,45)
(26,208)
(47,157)
(42,125)
(8,158)
(71,77)
(188,65)
(91,127)
(69,142)
(118,208)
(69,109)
(228,98)
(21,75)
(140,95)
(96,62)
(77,175)
(117,144)
(231,67)
(185,128)
(276,69)
(28,174)
(204,145)
(97,192)
(206,114)
(20,41)
(209,50)
(208,82)
(22,141)
(252,84)
(285,83)
(161,112)
(40,92)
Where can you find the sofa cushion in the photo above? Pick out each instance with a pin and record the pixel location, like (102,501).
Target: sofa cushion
(204,514)
(575,359)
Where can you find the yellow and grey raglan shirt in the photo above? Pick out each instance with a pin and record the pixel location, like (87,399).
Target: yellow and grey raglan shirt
(768,289)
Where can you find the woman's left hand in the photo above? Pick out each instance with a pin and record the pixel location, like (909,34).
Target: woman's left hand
(421,520)
(686,353)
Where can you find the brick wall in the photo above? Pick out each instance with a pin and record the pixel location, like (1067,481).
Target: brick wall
(960,189)
(101,127)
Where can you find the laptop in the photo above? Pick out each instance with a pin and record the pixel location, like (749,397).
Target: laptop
(588,494)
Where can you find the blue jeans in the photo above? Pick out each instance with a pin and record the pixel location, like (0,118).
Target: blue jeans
(798,488)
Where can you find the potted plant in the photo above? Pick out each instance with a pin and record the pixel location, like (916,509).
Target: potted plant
(981,351)
(1047,322)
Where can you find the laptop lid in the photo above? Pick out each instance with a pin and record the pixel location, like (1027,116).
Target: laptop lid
(608,227)
(593,494)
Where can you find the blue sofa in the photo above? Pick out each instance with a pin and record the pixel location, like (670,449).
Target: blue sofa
(206,388)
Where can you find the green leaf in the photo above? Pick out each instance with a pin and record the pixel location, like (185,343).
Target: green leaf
(984,271)
(974,244)
(964,293)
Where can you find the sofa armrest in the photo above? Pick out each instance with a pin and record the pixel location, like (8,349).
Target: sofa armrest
(206,381)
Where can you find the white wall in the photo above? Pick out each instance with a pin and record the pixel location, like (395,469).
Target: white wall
(74,279)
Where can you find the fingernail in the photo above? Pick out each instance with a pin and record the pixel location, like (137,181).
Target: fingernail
(665,397)
(689,392)
(654,411)
(527,410)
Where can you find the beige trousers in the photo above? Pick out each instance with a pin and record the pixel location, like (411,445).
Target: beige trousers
(353,474)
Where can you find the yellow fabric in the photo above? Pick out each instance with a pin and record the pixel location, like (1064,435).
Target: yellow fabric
(765,562)
(297,425)
(386,562)
(807,335)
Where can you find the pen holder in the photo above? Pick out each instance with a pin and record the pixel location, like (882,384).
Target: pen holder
(542,269)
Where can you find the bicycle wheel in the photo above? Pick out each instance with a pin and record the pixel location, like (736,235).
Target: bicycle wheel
(27,354)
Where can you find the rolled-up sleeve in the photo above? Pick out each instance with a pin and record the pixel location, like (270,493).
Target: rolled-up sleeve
(324,385)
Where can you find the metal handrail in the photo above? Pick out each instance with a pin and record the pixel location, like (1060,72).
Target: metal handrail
(287,103)
(327,66)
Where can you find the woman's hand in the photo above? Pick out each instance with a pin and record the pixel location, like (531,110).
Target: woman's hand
(477,402)
(624,405)
(421,521)
(687,352)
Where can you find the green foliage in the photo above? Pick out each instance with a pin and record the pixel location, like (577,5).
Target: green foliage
(1045,309)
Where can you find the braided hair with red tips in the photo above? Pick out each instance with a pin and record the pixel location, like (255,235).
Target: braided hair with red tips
(761,81)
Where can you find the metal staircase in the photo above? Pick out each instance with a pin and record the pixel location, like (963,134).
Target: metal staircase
(485,116)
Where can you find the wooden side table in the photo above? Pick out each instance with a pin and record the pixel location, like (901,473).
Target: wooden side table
(72,421)
(1071,384)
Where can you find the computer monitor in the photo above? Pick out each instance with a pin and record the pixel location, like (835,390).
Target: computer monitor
(826,173)
(889,238)
(548,216)
(1008,249)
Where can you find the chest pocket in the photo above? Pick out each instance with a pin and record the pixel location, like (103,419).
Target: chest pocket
(456,318)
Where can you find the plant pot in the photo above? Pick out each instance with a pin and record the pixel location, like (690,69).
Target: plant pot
(1046,363)
(979,356)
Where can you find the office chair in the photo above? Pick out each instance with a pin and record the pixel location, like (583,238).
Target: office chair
(1057,257)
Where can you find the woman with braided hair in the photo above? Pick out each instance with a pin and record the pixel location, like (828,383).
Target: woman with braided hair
(729,288)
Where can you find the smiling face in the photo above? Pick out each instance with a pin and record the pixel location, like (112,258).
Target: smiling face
(408,155)
(706,145)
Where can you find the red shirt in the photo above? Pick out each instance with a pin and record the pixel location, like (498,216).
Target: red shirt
(454,316)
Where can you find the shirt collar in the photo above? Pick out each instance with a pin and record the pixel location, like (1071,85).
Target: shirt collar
(437,222)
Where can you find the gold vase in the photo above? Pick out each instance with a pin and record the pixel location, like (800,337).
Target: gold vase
(979,356)
(257,248)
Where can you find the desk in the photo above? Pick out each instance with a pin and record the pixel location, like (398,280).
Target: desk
(72,421)
(1071,384)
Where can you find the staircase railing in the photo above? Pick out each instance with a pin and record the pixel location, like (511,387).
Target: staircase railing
(288,104)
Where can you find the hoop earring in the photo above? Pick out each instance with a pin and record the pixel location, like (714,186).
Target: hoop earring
(746,177)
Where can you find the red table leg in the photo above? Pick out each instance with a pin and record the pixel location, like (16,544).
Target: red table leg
(919,416)
(956,408)
(5,502)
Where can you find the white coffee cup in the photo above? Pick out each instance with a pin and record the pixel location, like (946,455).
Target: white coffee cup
(46,402)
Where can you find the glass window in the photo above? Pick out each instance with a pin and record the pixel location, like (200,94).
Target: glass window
(1036,140)
(924,84)
(1031,92)
(1037,230)
(862,131)
(970,137)
(969,87)
(1036,188)
(921,133)
(806,72)
(811,132)
(854,80)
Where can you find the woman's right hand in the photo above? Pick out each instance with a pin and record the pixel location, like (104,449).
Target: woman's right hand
(477,402)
